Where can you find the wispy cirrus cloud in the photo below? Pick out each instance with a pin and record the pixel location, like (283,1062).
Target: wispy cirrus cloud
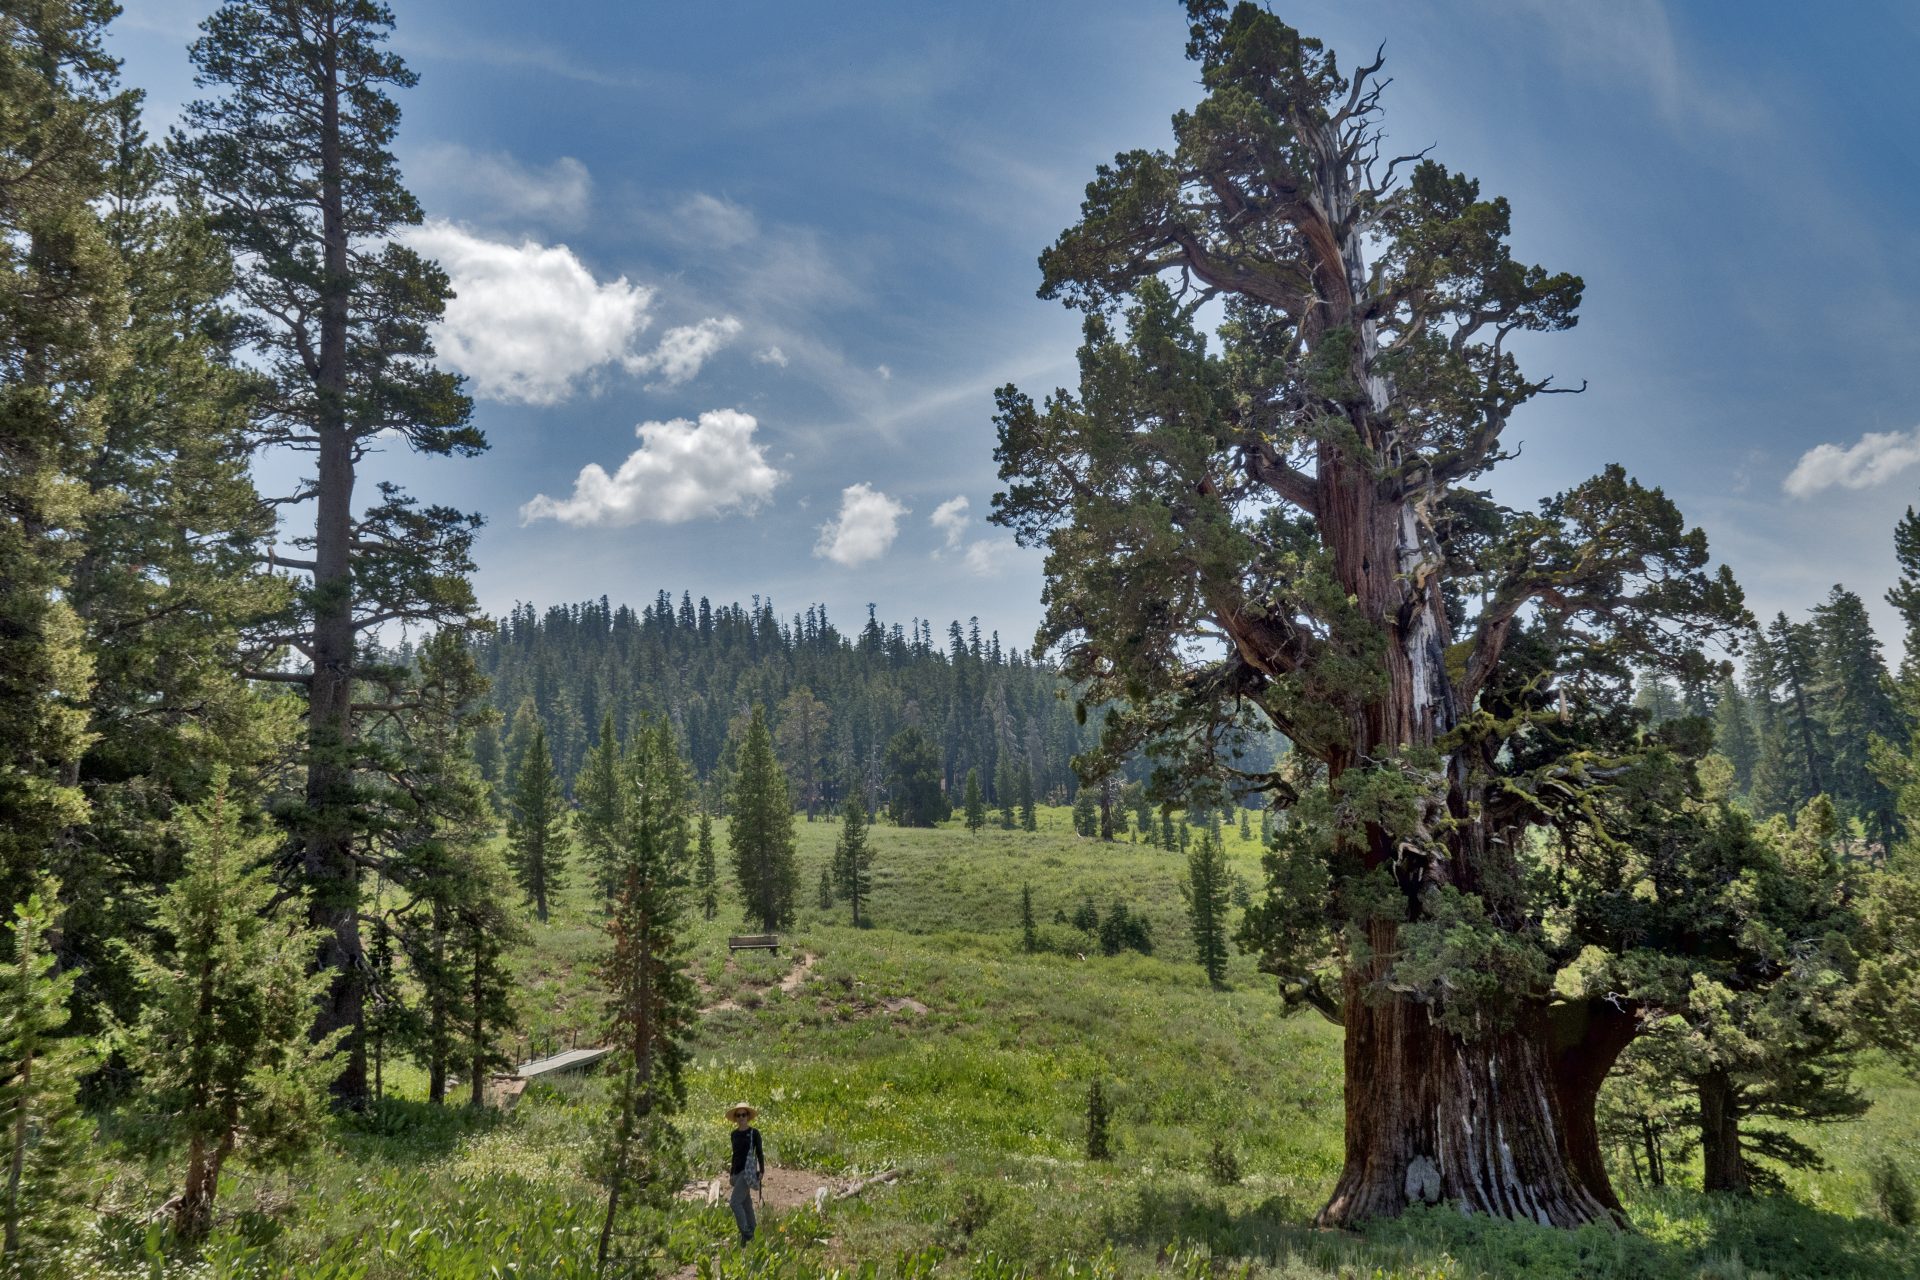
(495,186)
(1873,459)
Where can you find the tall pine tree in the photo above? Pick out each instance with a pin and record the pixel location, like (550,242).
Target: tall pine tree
(61,300)
(650,1000)
(853,857)
(760,834)
(293,162)
(537,839)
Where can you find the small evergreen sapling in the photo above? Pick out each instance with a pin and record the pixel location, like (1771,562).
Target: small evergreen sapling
(1086,814)
(1206,893)
(537,841)
(223,1043)
(650,999)
(761,833)
(707,870)
(976,803)
(826,889)
(47,1137)
(853,856)
(1029,939)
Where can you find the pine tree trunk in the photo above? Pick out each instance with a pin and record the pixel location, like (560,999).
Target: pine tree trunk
(1725,1167)
(193,1214)
(1656,1169)
(331,872)
(438,996)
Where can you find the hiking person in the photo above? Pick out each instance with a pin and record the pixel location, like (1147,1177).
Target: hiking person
(749,1161)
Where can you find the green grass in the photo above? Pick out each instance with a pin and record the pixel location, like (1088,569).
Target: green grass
(981,1099)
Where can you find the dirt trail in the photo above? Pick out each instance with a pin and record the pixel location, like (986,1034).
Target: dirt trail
(789,983)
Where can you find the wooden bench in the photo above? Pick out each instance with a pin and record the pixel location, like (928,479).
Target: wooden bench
(754,942)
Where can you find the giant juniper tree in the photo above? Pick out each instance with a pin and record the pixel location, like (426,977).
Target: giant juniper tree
(1280,528)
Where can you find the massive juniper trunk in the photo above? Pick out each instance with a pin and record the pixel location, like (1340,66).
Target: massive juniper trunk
(1436,1118)
(1472,1120)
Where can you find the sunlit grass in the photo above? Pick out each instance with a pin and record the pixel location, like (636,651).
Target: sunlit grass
(981,1099)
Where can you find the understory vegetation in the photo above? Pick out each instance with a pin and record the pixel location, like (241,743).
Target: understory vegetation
(981,1100)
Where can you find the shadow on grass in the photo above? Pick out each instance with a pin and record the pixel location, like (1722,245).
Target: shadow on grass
(408,1132)
(1678,1236)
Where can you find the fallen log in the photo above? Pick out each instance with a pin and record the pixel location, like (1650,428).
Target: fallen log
(891,1175)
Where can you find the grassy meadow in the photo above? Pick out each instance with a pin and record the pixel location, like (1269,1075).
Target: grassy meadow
(931,1043)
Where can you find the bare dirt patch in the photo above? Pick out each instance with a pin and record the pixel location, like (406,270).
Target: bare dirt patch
(749,998)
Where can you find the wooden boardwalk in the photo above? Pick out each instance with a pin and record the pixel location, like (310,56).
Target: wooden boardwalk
(570,1060)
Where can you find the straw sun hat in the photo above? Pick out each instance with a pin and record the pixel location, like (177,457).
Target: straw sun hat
(734,1111)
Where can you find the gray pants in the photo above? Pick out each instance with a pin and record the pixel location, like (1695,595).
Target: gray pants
(741,1201)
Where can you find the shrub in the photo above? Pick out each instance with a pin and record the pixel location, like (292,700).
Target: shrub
(1099,1144)
(1223,1164)
(1891,1191)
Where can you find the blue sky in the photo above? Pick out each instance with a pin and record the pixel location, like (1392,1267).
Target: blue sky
(796,243)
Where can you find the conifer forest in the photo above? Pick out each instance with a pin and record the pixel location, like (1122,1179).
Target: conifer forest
(1301,847)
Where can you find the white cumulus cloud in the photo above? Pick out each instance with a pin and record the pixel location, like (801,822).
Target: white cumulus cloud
(529,321)
(866,526)
(1875,458)
(950,518)
(681,471)
(985,555)
(684,349)
(772,355)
